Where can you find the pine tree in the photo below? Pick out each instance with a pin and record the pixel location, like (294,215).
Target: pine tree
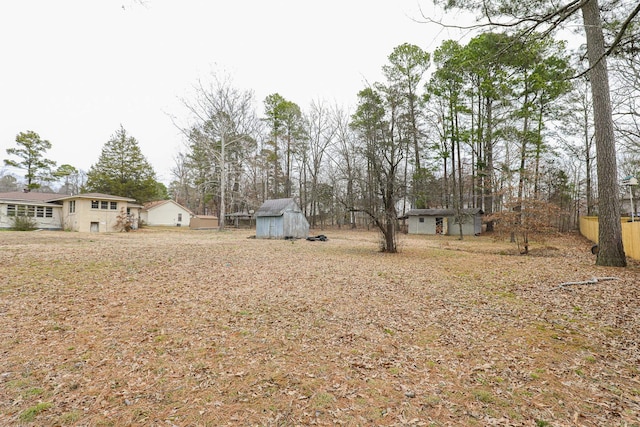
(122,170)
(30,150)
(536,15)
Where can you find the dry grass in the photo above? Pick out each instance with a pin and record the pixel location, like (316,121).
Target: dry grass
(185,328)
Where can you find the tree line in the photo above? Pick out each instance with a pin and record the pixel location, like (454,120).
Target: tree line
(497,123)
(511,122)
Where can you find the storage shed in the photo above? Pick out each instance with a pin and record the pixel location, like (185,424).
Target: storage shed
(443,221)
(203,222)
(279,219)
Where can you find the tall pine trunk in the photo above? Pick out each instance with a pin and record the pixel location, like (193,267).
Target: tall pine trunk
(611,251)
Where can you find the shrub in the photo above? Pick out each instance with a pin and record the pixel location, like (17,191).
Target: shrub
(23,223)
(524,219)
(123,221)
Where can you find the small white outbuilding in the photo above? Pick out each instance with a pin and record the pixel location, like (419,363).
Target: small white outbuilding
(444,221)
(165,212)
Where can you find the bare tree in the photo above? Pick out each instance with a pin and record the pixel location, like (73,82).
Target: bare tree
(223,117)
(321,130)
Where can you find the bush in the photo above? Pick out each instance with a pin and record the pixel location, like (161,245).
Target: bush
(23,223)
(123,221)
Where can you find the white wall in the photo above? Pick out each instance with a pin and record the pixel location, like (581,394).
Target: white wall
(168,214)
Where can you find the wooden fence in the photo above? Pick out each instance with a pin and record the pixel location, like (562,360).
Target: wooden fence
(630,234)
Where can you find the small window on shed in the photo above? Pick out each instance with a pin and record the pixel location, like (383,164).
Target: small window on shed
(104,204)
(179,217)
(113,205)
(421,219)
(95,204)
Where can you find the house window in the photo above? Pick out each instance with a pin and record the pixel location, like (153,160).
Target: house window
(29,210)
(420,219)
(72,206)
(113,206)
(179,217)
(95,204)
(104,204)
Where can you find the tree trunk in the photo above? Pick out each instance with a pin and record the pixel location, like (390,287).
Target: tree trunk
(223,183)
(487,178)
(611,251)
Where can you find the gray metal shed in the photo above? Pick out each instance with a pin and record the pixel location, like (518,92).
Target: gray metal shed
(281,218)
(443,221)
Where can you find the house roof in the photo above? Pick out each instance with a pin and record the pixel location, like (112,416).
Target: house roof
(94,196)
(29,197)
(20,196)
(157,203)
(443,212)
(277,207)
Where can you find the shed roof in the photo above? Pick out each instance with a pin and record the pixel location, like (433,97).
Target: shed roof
(443,212)
(277,207)
(207,217)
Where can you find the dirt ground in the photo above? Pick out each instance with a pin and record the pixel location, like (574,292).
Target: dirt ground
(175,327)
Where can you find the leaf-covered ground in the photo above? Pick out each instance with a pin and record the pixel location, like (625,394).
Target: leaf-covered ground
(193,328)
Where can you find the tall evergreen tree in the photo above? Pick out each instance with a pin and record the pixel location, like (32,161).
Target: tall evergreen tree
(285,122)
(408,64)
(30,149)
(530,16)
(122,170)
(447,84)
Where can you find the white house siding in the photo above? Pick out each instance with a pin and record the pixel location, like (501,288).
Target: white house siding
(169,213)
(52,223)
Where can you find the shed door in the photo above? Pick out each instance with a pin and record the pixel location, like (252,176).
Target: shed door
(439,225)
(95,227)
(273,227)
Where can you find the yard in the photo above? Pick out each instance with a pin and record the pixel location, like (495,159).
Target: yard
(176,327)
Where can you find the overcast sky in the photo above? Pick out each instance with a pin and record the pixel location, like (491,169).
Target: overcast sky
(75,70)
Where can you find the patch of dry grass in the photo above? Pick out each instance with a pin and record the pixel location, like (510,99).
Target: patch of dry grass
(180,327)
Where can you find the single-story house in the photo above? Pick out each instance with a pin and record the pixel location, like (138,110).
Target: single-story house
(89,212)
(279,219)
(165,212)
(443,221)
